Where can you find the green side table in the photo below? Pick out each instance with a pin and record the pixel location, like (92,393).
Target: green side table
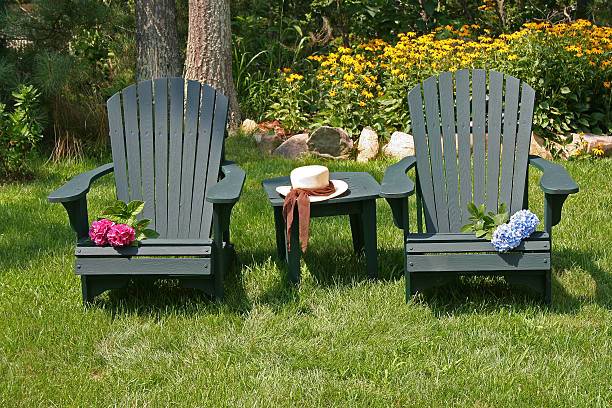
(359,203)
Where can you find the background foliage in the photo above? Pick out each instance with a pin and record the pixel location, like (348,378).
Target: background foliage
(76,53)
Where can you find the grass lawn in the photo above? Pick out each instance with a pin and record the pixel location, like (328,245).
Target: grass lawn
(336,340)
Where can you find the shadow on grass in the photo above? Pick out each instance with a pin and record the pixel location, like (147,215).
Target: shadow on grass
(486,294)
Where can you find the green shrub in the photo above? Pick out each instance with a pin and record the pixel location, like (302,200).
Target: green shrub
(20,131)
(569,66)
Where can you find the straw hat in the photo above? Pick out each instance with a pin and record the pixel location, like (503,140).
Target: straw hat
(310,178)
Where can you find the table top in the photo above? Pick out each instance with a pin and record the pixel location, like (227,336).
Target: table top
(361,186)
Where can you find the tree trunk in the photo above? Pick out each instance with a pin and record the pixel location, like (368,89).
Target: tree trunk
(209,49)
(157,47)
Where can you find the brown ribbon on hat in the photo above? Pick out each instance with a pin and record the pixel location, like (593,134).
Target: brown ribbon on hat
(300,196)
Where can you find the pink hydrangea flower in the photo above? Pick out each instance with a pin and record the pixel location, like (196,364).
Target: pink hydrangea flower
(98,231)
(120,235)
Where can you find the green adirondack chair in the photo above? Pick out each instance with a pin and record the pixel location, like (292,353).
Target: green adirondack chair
(168,150)
(450,173)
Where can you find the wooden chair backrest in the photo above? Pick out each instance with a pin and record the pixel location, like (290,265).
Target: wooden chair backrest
(167,148)
(451,172)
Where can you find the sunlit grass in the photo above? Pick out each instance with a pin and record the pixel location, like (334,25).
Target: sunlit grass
(337,339)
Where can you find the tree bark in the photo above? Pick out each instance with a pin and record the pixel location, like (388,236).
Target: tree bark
(157,46)
(209,49)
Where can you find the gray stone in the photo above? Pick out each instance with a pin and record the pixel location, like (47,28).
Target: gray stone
(332,142)
(248,126)
(368,146)
(401,145)
(294,147)
(267,142)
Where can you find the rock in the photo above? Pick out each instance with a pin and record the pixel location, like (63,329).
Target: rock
(294,147)
(401,145)
(248,126)
(268,142)
(332,142)
(538,147)
(367,146)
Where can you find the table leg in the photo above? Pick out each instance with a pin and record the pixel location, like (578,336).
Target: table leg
(279,225)
(369,237)
(357,231)
(293,255)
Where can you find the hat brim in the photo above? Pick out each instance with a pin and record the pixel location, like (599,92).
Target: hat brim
(340,186)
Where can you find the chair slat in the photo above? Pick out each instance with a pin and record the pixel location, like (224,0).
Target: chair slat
(201,165)
(509,139)
(479,89)
(161,155)
(432,111)
(192,107)
(145,110)
(115,126)
(511,261)
(447,111)
(177,95)
(522,148)
(415,104)
(132,141)
(496,82)
(462,81)
(214,158)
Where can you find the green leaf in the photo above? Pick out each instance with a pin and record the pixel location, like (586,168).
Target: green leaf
(143,223)
(135,207)
(480,233)
(149,233)
(481,210)
(502,208)
(565,90)
(488,236)
(499,219)
(472,208)
(467,228)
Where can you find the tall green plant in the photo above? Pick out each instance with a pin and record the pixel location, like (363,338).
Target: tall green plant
(20,131)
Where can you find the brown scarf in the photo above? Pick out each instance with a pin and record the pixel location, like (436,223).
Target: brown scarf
(300,196)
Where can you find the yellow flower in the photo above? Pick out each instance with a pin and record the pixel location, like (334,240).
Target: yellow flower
(332,93)
(367,94)
(290,78)
(348,77)
(512,57)
(287,69)
(403,76)
(607,84)
(598,151)
(362,103)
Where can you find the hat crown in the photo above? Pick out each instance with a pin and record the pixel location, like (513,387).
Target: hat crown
(310,177)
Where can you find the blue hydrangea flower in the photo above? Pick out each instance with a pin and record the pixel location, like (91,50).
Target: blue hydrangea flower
(506,237)
(525,222)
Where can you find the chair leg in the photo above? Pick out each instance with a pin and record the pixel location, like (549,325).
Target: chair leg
(408,287)
(548,287)
(356,221)
(368,231)
(92,286)
(85,291)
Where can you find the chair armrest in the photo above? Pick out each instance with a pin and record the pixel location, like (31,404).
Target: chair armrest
(396,184)
(556,184)
(78,186)
(555,179)
(228,190)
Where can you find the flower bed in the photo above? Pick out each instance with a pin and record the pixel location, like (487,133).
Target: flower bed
(569,66)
